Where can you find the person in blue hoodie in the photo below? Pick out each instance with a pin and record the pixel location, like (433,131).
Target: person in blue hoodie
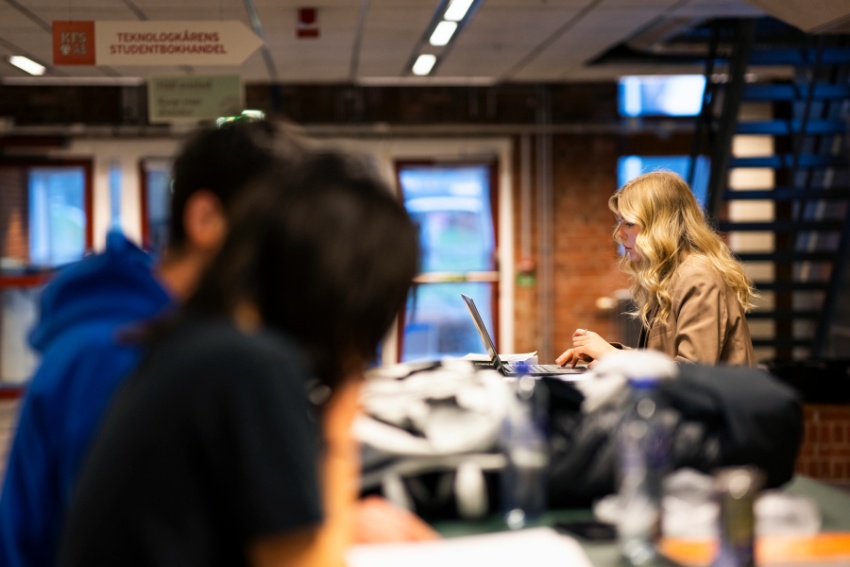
(84,312)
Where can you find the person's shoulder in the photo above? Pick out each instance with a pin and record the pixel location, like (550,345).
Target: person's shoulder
(220,342)
(697,266)
(113,287)
(220,359)
(91,351)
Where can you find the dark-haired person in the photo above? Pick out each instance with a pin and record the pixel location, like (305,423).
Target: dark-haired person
(81,314)
(692,295)
(209,454)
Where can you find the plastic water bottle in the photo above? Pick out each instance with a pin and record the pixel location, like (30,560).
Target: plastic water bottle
(643,444)
(736,489)
(523,480)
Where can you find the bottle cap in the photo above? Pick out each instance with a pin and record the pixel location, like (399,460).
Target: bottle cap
(643,382)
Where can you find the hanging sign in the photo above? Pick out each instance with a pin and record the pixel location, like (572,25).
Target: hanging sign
(194,97)
(152,43)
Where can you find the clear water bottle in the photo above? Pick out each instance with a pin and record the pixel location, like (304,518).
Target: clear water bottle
(524,437)
(643,443)
(736,489)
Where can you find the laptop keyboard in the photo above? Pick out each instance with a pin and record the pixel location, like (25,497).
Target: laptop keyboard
(546,369)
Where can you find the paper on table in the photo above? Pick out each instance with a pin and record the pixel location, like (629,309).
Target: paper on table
(516,357)
(540,547)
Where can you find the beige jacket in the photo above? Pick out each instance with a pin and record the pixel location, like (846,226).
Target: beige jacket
(706,323)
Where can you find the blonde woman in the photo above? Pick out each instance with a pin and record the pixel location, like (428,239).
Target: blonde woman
(691,293)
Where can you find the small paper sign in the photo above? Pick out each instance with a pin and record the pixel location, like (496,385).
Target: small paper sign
(194,97)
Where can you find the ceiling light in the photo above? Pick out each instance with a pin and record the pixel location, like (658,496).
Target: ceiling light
(27,64)
(443,33)
(457,10)
(424,64)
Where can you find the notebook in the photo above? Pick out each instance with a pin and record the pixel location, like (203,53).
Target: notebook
(509,369)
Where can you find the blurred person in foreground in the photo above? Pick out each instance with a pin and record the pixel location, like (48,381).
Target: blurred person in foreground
(83,314)
(211,451)
(692,295)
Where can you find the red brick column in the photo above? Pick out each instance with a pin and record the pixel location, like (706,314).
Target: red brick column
(584,175)
(825,453)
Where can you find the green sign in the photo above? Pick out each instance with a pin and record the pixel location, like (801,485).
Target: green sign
(194,97)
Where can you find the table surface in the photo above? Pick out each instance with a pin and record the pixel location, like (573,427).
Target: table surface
(834,504)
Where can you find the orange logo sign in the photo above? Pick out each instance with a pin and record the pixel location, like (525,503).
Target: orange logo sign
(73,43)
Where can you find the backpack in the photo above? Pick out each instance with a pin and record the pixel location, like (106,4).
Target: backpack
(430,437)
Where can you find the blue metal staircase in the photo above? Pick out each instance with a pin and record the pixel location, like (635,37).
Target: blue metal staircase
(801,230)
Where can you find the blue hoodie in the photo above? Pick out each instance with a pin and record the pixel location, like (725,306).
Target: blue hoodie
(83,361)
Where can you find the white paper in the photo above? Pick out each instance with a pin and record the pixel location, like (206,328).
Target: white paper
(515,357)
(540,547)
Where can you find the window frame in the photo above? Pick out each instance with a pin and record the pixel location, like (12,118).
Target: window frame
(493,276)
(86,164)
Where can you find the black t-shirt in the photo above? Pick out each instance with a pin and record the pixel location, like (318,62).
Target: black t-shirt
(211,444)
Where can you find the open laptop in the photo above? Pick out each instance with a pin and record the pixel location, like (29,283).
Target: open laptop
(506,368)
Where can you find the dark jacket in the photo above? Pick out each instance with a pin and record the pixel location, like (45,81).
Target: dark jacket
(727,416)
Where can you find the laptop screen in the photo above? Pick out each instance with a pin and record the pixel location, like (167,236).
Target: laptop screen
(482,330)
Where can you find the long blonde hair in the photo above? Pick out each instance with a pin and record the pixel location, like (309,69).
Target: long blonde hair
(672,226)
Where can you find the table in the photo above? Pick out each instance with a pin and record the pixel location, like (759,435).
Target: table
(834,504)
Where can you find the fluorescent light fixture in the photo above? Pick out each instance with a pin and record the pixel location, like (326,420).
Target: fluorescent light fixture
(424,64)
(26,64)
(443,33)
(457,10)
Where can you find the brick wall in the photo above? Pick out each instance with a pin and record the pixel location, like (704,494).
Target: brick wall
(825,453)
(13,214)
(584,262)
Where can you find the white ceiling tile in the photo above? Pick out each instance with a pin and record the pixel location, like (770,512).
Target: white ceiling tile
(524,40)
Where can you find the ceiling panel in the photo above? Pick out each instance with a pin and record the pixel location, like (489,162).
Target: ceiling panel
(580,40)
(186,13)
(62,8)
(115,11)
(13,19)
(725,8)
(515,40)
(532,5)
(498,40)
(390,35)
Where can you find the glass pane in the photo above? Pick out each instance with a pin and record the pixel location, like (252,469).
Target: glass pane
(451,205)
(158,205)
(115,178)
(437,323)
(18,314)
(57,215)
(679,95)
(630,167)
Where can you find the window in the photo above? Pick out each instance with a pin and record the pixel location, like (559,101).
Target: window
(45,218)
(678,95)
(44,212)
(57,215)
(453,208)
(156,203)
(629,167)
(115,179)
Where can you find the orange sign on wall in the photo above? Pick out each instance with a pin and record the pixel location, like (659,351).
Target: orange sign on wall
(151,43)
(73,43)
